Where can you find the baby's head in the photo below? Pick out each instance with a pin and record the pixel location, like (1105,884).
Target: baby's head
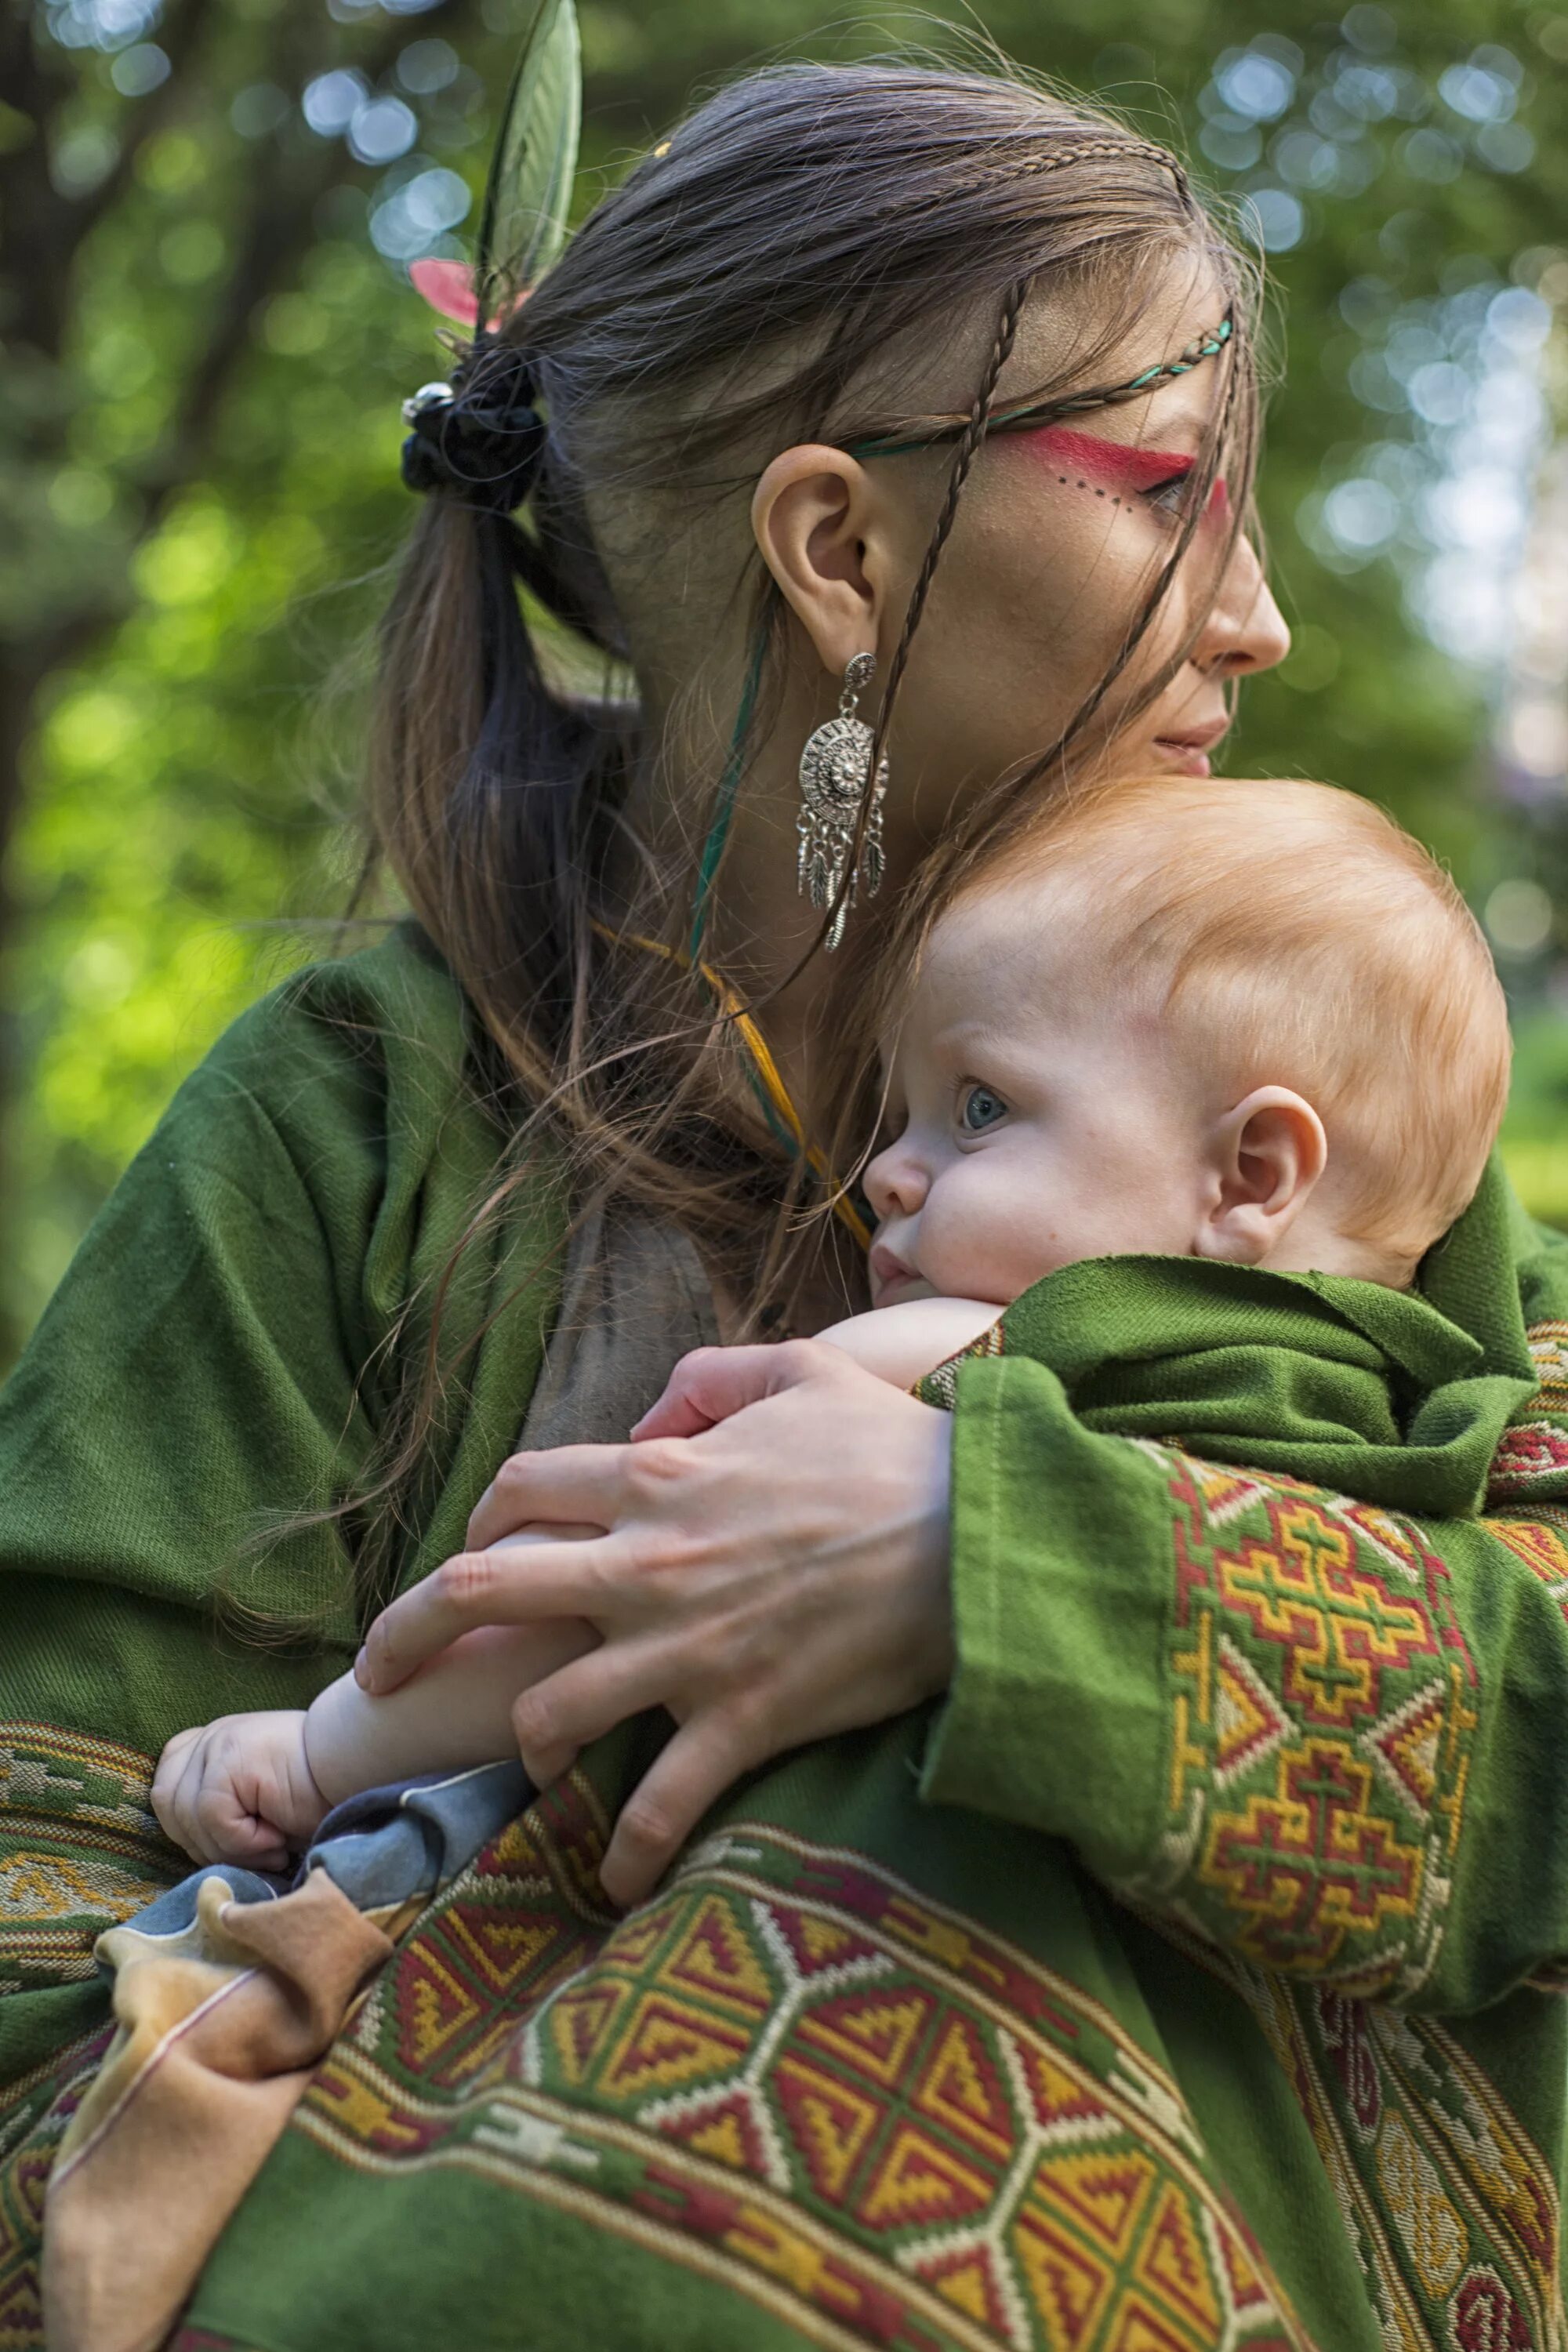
(1192,1016)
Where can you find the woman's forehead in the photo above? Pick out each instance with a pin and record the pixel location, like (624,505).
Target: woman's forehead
(1065,337)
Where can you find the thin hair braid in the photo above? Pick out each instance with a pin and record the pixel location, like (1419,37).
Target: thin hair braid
(968,450)
(500,777)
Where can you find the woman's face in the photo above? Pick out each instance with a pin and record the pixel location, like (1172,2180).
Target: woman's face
(1061,536)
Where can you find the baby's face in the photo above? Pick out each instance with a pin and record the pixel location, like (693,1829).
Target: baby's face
(1033,1128)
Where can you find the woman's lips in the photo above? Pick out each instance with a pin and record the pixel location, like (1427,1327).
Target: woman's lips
(1188,752)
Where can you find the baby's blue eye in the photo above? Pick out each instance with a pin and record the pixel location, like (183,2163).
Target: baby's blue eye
(980,1108)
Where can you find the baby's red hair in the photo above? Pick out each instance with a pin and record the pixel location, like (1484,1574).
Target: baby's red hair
(1297,936)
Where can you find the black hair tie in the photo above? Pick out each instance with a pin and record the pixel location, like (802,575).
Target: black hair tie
(480,437)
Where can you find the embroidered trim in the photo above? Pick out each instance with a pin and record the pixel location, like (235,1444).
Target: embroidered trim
(1321,1727)
(33,2118)
(793,2073)
(1323,1723)
(941,1387)
(80,1848)
(1542,1543)
(1549,1350)
(49,1776)
(1532,1458)
(1454,2215)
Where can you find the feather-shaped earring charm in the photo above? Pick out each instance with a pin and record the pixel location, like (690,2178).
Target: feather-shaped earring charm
(834,769)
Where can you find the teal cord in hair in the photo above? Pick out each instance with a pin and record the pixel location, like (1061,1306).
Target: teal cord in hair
(729,786)
(713,850)
(1017,420)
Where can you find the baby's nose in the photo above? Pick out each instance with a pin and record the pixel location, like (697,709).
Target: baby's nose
(895,1183)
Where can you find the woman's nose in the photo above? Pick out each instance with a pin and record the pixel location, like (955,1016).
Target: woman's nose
(895,1183)
(1245,630)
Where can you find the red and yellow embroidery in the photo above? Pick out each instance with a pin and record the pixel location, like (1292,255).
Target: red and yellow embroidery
(1542,1543)
(1322,1720)
(1453,2213)
(793,2073)
(1531,1460)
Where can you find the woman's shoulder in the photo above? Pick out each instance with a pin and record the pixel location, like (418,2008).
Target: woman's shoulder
(391,1001)
(363,1053)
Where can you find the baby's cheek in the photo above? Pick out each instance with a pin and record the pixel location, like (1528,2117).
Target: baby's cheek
(1003,1240)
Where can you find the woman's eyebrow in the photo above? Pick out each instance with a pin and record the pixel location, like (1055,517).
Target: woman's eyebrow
(1083,456)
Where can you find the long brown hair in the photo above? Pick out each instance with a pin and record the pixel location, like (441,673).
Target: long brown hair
(742,289)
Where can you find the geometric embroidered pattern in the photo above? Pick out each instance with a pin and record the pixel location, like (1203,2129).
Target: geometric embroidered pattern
(793,2073)
(79,1849)
(1321,1729)
(37,2110)
(1532,1458)
(1549,1352)
(1542,1543)
(1453,2213)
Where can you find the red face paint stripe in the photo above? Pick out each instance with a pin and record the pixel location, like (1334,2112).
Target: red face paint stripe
(1118,462)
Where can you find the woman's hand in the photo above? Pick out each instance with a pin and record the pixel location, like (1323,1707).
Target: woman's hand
(778,1577)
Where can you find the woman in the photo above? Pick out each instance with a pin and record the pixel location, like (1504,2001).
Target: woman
(867,361)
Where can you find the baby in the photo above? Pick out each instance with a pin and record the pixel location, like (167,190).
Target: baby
(1180,1018)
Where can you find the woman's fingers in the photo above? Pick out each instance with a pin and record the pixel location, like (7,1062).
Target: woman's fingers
(712,1383)
(570,1484)
(499,1586)
(705,1758)
(556,1718)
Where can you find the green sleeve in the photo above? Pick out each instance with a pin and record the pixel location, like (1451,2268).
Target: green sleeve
(219,1358)
(1326,1739)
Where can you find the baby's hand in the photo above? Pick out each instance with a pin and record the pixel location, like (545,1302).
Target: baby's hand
(239,1790)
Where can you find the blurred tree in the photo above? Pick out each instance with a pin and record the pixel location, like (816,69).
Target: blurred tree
(206,217)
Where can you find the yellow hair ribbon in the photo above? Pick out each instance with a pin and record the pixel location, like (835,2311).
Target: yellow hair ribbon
(766,1070)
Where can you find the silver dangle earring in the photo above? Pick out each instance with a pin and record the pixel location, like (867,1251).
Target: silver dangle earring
(833,770)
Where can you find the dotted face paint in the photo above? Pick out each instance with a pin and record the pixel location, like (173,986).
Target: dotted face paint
(1113,470)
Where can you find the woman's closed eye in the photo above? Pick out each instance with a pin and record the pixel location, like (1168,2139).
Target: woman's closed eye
(1176,494)
(1173,494)
(980,1107)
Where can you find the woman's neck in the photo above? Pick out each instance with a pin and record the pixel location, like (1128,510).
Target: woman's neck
(759,932)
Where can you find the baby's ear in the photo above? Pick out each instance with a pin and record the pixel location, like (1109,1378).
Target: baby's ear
(1264,1156)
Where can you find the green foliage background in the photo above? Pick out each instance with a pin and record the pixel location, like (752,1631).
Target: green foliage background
(173,600)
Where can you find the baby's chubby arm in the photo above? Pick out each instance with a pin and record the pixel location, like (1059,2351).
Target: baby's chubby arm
(453,1713)
(902,1342)
(253,1788)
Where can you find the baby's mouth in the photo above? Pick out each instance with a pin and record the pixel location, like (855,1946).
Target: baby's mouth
(890,1277)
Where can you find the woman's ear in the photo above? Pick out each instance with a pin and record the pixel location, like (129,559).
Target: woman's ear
(815,519)
(1264,1156)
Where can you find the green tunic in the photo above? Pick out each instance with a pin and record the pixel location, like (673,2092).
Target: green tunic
(1190,1978)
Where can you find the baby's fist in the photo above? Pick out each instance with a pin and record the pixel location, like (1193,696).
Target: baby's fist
(239,1790)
